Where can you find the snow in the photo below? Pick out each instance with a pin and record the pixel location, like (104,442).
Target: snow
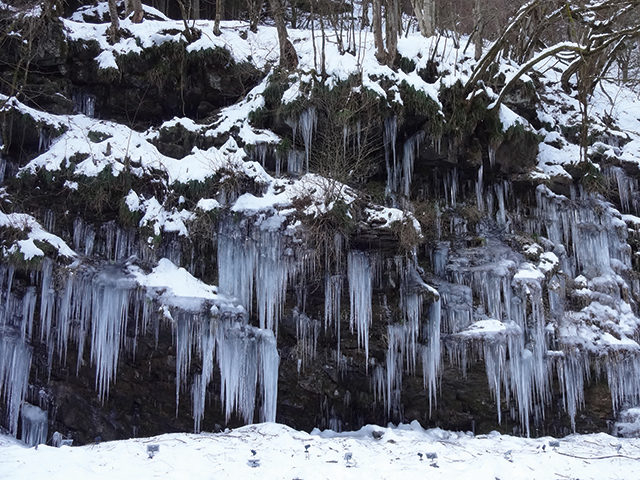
(406,451)
(510,119)
(176,281)
(106,60)
(207,204)
(162,220)
(507,323)
(35,233)
(489,328)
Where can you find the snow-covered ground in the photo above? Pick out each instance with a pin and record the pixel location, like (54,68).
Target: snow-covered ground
(373,452)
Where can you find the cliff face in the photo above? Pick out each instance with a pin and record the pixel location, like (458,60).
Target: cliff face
(192,239)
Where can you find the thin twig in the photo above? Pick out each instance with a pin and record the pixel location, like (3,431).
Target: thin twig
(598,458)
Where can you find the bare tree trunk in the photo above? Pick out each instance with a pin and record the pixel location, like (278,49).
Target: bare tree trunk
(288,55)
(477,12)
(323,58)
(190,34)
(365,13)
(254,7)
(392,14)
(134,6)
(386,52)
(425,12)
(313,35)
(216,25)
(115,21)
(195,9)
(377,30)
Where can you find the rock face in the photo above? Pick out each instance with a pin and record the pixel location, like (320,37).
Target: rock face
(446,284)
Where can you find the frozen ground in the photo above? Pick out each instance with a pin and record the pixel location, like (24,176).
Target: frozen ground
(371,453)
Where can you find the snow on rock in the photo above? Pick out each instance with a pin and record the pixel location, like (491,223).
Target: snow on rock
(488,329)
(174,280)
(161,220)
(628,424)
(34,232)
(510,119)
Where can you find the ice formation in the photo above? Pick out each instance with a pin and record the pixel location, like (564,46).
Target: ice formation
(84,103)
(247,358)
(34,425)
(359,272)
(509,325)
(15,363)
(94,304)
(415,337)
(307,331)
(306,125)
(255,261)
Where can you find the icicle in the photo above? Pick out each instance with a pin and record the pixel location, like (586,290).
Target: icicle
(8,305)
(378,383)
(360,293)
(501,216)
(83,237)
(44,139)
(451,181)
(431,353)
(623,376)
(279,158)
(259,153)
(480,189)
(332,294)
(236,263)
(440,258)
(457,307)
(494,354)
(109,308)
(264,262)
(396,335)
(628,189)
(28,311)
(269,364)
(295,162)
(15,364)
(411,148)
(273,270)
(573,371)
(308,121)
(492,155)
(332,300)
(206,345)
(596,238)
(389,135)
(47,301)
(84,103)
(247,356)
(3,161)
(35,425)
(49,220)
(307,331)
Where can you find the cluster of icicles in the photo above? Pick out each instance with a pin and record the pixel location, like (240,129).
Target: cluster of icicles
(533,337)
(95,308)
(488,285)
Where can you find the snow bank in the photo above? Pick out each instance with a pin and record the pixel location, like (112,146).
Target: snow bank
(275,451)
